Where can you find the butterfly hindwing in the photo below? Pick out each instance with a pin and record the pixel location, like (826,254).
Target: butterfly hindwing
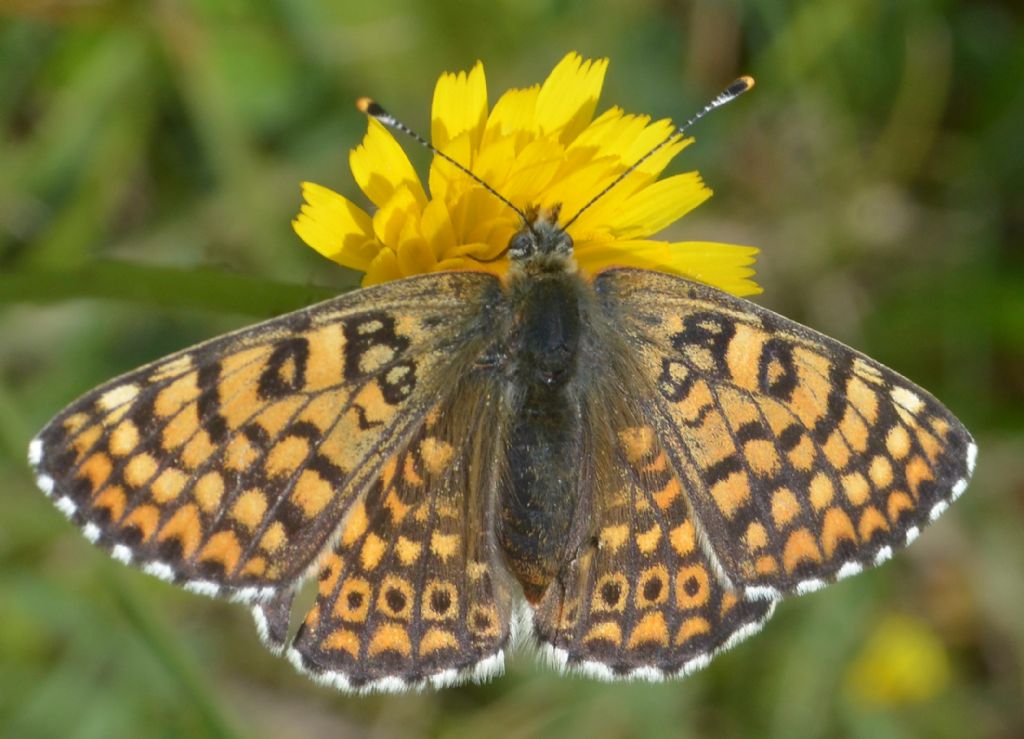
(640,598)
(804,460)
(413,592)
(229,465)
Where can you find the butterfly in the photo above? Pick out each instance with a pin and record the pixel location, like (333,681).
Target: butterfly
(641,464)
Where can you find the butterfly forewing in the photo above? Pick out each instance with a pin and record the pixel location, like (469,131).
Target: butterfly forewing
(229,465)
(803,460)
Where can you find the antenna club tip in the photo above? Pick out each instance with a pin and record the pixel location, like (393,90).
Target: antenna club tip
(365,104)
(748,82)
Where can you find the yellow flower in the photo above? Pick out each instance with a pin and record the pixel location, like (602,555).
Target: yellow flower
(540,146)
(903,662)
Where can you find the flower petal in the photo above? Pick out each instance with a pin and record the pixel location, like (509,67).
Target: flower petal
(725,266)
(336,227)
(658,205)
(380,167)
(383,268)
(436,227)
(394,215)
(445,179)
(460,106)
(414,254)
(513,117)
(568,97)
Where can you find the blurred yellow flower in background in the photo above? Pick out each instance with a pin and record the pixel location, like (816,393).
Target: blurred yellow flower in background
(902,662)
(539,146)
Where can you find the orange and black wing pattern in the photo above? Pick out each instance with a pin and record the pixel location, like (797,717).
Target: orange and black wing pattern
(803,460)
(641,598)
(227,467)
(413,593)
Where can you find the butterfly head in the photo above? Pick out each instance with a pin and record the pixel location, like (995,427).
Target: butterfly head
(541,240)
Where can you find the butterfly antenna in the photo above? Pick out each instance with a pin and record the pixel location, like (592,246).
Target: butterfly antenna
(374,109)
(727,95)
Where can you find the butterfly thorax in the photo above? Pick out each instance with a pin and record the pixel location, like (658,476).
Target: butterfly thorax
(537,505)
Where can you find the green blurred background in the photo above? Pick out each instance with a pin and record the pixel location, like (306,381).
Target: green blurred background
(150,155)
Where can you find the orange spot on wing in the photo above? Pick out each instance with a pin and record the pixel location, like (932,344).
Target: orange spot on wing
(73,423)
(897,441)
(186,526)
(436,640)
(353,602)
(802,455)
(899,501)
(672,490)
(208,491)
(390,638)
(853,430)
(836,528)
(139,470)
(637,442)
(373,550)
(871,520)
(863,398)
(87,439)
(785,507)
(222,547)
(932,447)
(836,450)
(693,587)
(760,455)
(444,546)
(355,524)
(113,499)
(856,488)
(651,628)
(124,438)
(648,540)
(198,450)
(731,493)
(408,551)
(180,428)
(168,485)
(96,469)
(800,547)
(608,631)
(276,417)
(249,508)
(436,455)
(692,627)
(311,493)
(697,399)
(286,456)
(917,472)
(743,356)
(822,491)
(183,390)
(766,565)
(240,454)
(255,567)
(343,640)
(880,472)
(806,407)
(756,537)
(144,518)
(683,538)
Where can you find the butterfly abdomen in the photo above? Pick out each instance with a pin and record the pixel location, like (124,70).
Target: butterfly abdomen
(537,502)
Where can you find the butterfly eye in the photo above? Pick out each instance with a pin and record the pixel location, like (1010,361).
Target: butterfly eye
(522,245)
(563,244)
